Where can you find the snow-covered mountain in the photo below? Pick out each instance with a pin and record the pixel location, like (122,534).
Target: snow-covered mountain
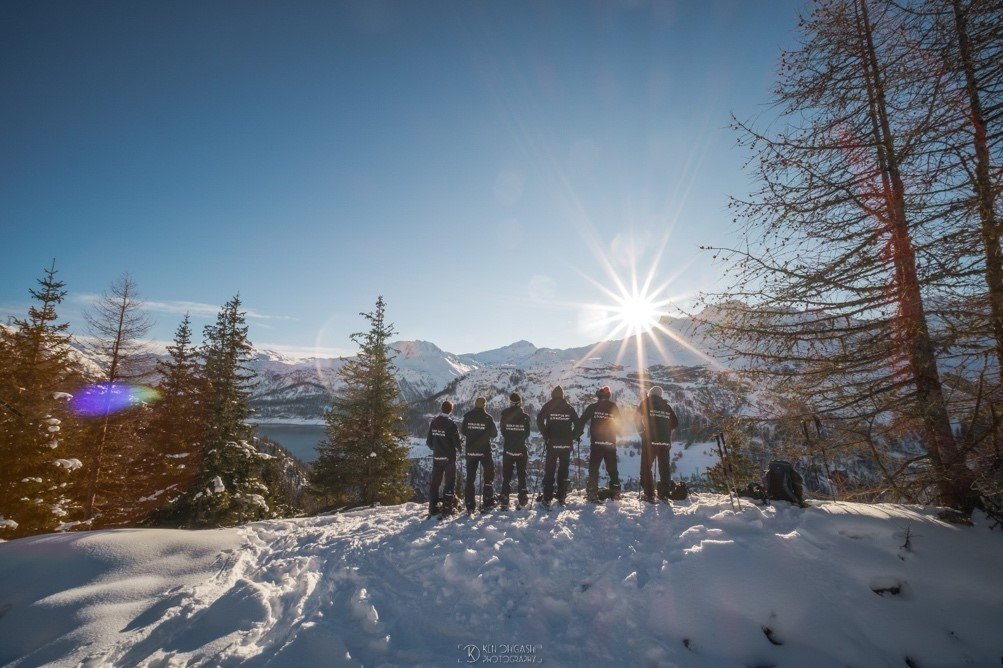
(424,369)
(300,389)
(622,584)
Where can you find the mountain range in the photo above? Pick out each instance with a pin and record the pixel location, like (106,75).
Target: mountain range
(678,351)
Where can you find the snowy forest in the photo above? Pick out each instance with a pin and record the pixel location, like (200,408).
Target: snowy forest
(116,437)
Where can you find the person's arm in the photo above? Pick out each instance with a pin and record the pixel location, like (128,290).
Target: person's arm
(580,423)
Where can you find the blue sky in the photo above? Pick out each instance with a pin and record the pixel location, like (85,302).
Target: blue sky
(488,167)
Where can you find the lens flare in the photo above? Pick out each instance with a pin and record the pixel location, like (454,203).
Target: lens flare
(107,398)
(638,313)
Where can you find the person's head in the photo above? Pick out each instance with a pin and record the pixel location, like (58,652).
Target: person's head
(558,393)
(447,407)
(604,392)
(480,402)
(515,399)
(655,391)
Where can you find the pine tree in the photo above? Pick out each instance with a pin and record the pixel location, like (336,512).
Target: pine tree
(36,370)
(363,460)
(229,488)
(173,454)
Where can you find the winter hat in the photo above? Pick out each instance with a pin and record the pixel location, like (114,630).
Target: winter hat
(515,398)
(479,402)
(558,393)
(447,407)
(604,391)
(655,391)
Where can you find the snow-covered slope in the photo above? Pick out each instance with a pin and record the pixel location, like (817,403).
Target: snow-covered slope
(621,584)
(424,369)
(513,354)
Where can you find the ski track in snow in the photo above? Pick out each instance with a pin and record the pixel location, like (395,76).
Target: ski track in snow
(624,583)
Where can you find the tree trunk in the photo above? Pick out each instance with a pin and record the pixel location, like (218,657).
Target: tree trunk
(953,476)
(984,191)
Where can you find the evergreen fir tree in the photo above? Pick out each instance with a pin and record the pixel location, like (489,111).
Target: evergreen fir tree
(172,457)
(364,458)
(229,488)
(36,370)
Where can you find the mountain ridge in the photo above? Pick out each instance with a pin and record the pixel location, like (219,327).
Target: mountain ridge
(296,391)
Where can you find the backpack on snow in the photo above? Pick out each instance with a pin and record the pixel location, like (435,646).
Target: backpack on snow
(783,483)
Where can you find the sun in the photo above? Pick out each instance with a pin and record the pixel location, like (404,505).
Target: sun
(637,313)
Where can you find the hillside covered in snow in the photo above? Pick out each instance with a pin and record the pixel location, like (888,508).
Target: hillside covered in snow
(693,584)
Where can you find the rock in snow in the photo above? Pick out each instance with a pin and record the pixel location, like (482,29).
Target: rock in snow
(626,583)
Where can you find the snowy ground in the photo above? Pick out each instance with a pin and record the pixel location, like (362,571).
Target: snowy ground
(696,584)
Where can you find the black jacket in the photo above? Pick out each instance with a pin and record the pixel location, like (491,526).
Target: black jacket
(515,428)
(656,420)
(556,422)
(443,437)
(478,428)
(603,418)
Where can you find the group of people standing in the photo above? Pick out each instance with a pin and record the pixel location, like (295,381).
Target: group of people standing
(560,426)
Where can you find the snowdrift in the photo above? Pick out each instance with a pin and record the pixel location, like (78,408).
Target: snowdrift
(625,583)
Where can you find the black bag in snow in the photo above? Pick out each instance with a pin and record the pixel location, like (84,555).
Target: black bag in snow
(783,483)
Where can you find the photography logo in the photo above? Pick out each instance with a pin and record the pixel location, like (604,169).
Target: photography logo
(472,653)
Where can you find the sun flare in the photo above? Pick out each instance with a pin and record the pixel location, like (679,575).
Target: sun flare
(637,314)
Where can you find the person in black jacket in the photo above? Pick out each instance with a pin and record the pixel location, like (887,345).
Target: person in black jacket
(515,427)
(655,422)
(444,441)
(478,429)
(556,421)
(603,418)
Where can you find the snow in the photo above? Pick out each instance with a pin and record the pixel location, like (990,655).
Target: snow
(694,584)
